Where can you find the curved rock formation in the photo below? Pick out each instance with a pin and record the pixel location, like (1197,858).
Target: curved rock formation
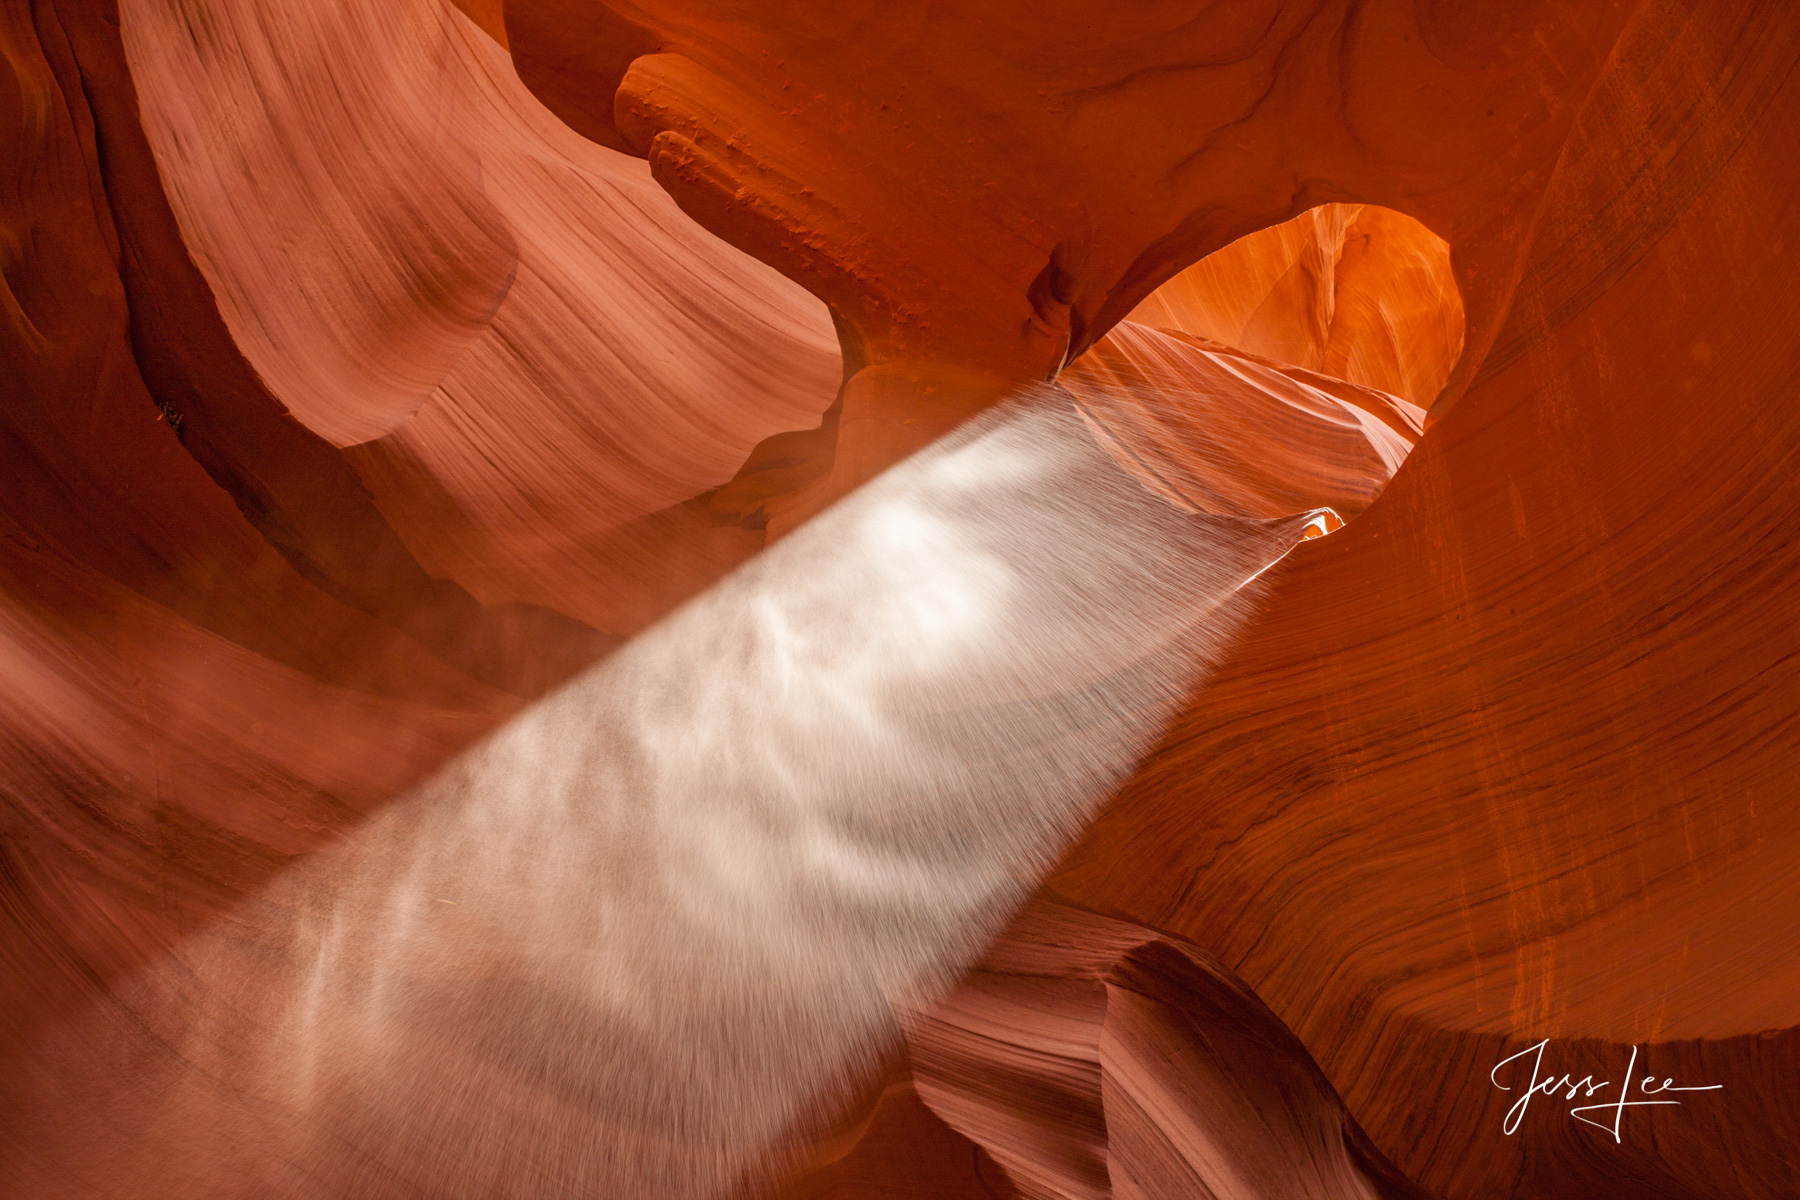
(936,175)
(355,403)
(1487,731)
(224,647)
(525,343)
(1096,1058)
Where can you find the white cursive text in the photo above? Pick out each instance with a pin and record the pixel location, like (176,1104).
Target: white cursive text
(1585,1088)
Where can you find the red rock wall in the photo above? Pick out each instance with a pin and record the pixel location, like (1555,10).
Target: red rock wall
(522,343)
(231,635)
(1527,651)
(1508,758)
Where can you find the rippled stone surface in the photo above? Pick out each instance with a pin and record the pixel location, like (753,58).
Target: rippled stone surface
(355,401)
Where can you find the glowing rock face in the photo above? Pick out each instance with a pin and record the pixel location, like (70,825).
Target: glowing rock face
(1351,291)
(355,404)
(526,343)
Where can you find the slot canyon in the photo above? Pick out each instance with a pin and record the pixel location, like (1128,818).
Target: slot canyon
(869,599)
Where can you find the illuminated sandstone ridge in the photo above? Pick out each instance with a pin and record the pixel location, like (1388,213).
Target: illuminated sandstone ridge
(1504,759)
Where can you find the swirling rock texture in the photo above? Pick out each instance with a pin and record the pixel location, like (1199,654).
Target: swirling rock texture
(362,384)
(262,654)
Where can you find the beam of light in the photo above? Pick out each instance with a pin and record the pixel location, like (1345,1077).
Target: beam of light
(672,912)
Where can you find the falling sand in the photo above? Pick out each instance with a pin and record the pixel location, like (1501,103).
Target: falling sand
(679,907)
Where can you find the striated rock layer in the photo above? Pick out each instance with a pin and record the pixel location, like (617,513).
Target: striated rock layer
(228,639)
(234,628)
(522,343)
(352,402)
(1507,759)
